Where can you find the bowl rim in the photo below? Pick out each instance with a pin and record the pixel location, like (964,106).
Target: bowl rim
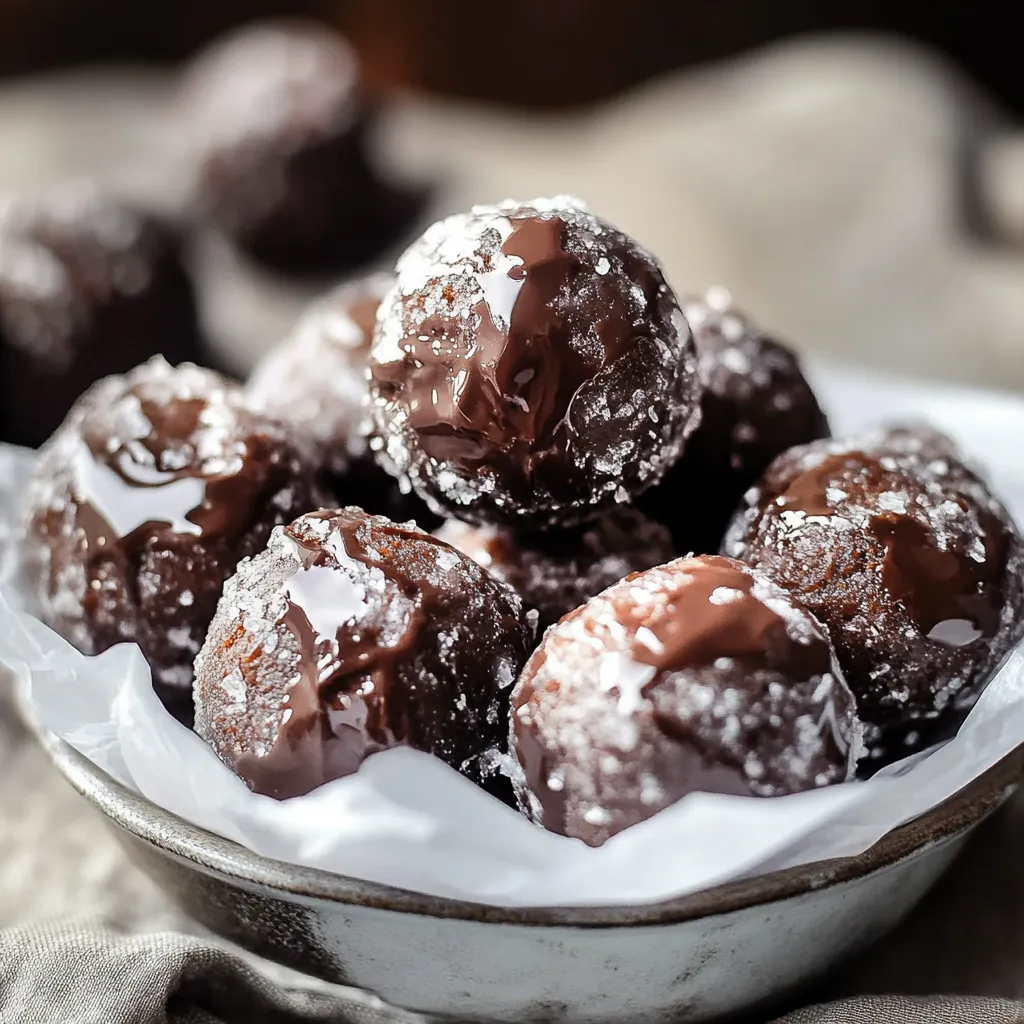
(213,854)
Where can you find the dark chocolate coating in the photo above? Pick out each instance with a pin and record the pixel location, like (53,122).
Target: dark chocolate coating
(275,119)
(907,559)
(350,635)
(89,286)
(531,367)
(756,404)
(698,675)
(142,505)
(556,571)
(316,382)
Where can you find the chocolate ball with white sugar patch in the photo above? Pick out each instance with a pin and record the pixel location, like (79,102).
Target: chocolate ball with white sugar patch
(350,635)
(531,367)
(142,504)
(910,563)
(697,676)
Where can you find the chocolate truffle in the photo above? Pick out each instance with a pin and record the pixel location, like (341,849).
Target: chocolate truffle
(556,571)
(89,286)
(910,563)
(756,404)
(316,382)
(698,675)
(350,635)
(531,367)
(274,120)
(141,506)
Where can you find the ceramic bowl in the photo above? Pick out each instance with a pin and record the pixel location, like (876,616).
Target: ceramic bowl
(694,958)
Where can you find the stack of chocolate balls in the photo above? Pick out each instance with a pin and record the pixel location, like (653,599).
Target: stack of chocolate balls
(652,572)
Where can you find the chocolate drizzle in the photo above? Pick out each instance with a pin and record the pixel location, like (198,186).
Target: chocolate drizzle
(130,489)
(807,493)
(544,364)
(713,614)
(347,700)
(910,563)
(698,675)
(145,500)
(382,636)
(953,599)
(512,389)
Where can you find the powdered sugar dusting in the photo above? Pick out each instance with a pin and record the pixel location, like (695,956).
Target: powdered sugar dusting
(50,244)
(268,84)
(887,480)
(614,719)
(458,275)
(316,378)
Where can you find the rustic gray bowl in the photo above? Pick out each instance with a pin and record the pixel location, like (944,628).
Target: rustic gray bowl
(694,958)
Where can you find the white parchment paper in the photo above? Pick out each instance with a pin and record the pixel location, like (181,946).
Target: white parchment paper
(406,819)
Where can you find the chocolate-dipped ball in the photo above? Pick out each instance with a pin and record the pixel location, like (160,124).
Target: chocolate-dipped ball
(910,563)
(89,286)
(347,636)
(698,675)
(756,404)
(141,506)
(315,381)
(556,571)
(531,367)
(275,122)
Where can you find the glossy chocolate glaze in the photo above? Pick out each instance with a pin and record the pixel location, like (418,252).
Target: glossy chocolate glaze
(350,635)
(315,381)
(699,675)
(89,285)
(555,571)
(531,366)
(516,388)
(756,404)
(907,559)
(143,503)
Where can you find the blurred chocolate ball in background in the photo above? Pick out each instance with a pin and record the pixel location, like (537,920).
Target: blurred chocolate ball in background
(89,286)
(274,120)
